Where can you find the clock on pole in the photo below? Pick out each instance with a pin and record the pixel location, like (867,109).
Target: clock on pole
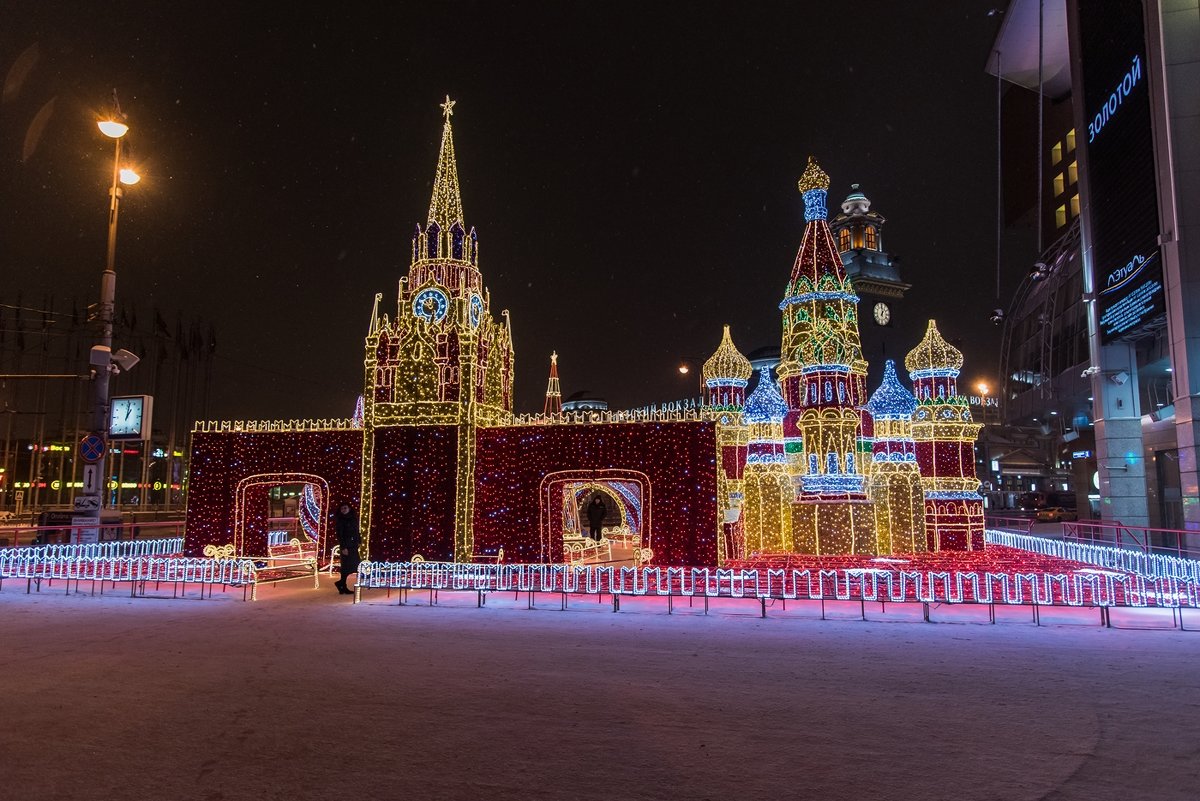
(129,417)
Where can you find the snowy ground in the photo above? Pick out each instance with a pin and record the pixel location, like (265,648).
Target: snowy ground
(303,695)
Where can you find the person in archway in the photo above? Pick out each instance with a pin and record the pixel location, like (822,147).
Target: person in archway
(595,514)
(346,526)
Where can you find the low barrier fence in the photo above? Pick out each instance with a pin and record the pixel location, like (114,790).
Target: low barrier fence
(1102,588)
(98,550)
(138,570)
(34,536)
(1129,560)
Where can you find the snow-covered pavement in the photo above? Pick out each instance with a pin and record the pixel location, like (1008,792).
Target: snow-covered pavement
(304,695)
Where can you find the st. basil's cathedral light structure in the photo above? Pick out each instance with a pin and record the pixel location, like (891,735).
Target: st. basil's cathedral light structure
(442,469)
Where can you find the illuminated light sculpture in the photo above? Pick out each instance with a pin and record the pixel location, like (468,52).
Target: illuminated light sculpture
(553,403)
(823,377)
(767,507)
(895,479)
(723,380)
(945,441)
(442,362)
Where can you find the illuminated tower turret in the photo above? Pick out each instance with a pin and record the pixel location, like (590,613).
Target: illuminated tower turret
(723,386)
(443,360)
(767,510)
(823,377)
(895,480)
(553,392)
(945,441)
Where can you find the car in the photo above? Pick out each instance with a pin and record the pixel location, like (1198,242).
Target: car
(1055,514)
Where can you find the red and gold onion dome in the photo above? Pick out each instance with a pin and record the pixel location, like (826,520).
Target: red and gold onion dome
(724,377)
(945,436)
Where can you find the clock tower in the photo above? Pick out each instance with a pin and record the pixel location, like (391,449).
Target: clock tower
(874,272)
(443,361)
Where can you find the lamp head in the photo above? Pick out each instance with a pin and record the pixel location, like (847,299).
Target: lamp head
(129,177)
(112,128)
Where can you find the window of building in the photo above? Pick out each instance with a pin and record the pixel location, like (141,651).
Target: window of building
(1073,173)
(844,239)
(1059,184)
(1060,216)
(1071,141)
(1056,153)
(871,241)
(1074,205)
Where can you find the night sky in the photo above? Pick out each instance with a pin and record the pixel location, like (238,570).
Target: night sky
(631,169)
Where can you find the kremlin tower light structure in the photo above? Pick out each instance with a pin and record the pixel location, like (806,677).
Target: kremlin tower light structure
(823,376)
(945,442)
(444,360)
(553,403)
(723,395)
(768,488)
(895,480)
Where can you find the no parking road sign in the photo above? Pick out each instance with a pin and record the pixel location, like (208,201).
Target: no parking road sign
(91,448)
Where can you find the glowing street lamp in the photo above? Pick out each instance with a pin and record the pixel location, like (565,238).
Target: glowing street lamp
(101,356)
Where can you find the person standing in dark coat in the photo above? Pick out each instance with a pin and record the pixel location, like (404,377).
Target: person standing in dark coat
(346,526)
(595,514)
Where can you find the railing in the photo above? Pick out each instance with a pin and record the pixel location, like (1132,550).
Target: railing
(102,550)
(1021,525)
(136,570)
(1148,565)
(32,535)
(1092,589)
(1180,543)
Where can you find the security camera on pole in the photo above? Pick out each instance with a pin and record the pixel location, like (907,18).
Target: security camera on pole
(94,447)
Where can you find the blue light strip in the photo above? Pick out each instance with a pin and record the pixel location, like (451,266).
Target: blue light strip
(809,297)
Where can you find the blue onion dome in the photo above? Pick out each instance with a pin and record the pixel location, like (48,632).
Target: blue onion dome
(765,404)
(892,401)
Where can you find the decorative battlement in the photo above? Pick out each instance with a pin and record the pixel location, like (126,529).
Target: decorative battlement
(272,426)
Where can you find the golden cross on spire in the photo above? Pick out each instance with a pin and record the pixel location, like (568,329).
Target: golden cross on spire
(448,107)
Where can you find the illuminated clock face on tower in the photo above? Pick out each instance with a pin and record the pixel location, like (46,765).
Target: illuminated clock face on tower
(431,305)
(125,417)
(476,310)
(883,314)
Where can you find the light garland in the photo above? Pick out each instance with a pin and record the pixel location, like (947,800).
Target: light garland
(945,444)
(440,469)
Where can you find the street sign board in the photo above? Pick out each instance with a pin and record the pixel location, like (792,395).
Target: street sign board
(86,528)
(91,480)
(87,503)
(91,448)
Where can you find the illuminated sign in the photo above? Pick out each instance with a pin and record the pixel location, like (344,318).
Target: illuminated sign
(1122,197)
(1081,454)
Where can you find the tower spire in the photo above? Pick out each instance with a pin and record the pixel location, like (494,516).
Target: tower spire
(553,393)
(445,208)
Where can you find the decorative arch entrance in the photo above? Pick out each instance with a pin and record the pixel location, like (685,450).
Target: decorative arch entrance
(250,529)
(627,536)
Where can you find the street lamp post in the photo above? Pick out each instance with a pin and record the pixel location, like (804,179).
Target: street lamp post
(101,355)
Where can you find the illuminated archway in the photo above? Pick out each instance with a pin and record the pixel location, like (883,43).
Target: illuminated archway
(247,493)
(560,494)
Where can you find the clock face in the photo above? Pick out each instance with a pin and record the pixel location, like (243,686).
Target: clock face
(476,310)
(125,418)
(883,314)
(431,305)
